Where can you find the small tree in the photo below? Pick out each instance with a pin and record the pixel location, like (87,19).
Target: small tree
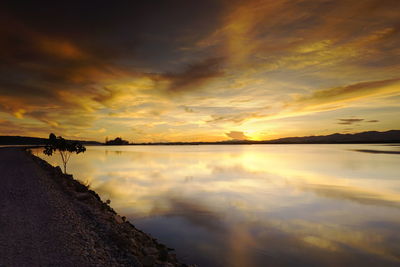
(64,147)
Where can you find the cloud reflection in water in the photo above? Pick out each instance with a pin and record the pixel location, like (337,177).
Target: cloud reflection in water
(256,205)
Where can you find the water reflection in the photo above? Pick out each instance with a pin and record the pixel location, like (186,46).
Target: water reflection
(377,151)
(256,205)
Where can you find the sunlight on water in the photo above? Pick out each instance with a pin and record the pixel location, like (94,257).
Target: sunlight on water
(256,205)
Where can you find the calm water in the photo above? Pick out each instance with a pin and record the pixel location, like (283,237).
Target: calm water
(256,205)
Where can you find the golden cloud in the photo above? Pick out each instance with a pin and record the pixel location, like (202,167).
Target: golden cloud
(338,96)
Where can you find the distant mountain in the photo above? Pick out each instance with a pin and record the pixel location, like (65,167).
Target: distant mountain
(24,140)
(392,136)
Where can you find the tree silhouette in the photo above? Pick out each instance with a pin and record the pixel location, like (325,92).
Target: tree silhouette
(64,147)
(117,142)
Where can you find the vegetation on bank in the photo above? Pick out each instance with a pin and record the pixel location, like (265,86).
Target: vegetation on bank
(116,142)
(64,147)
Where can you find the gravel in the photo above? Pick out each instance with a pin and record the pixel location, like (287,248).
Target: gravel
(49,219)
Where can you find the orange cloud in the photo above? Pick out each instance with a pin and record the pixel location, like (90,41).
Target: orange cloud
(60,48)
(237,135)
(239,63)
(336,97)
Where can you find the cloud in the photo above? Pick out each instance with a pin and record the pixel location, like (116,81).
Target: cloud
(53,76)
(194,75)
(78,68)
(188,109)
(8,127)
(353,121)
(236,118)
(338,96)
(349,121)
(193,211)
(237,135)
(352,194)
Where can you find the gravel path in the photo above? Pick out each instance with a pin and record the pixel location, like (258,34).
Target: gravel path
(44,221)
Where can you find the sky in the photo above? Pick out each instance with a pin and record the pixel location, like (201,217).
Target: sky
(210,70)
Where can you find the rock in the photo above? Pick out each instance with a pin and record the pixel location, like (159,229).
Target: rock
(83,196)
(118,219)
(149,261)
(163,256)
(57,170)
(166,264)
(150,251)
(134,243)
(98,226)
(172,257)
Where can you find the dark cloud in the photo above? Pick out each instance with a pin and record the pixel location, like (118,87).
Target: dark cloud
(354,120)
(69,61)
(349,121)
(195,212)
(53,54)
(148,31)
(105,96)
(195,75)
(188,109)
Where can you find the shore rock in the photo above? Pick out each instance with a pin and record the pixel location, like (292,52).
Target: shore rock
(104,235)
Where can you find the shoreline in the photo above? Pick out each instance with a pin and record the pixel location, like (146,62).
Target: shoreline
(143,246)
(56,220)
(366,137)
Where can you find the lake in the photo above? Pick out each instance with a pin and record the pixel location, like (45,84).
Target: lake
(256,205)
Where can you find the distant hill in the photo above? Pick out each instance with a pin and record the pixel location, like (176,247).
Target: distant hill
(24,140)
(392,136)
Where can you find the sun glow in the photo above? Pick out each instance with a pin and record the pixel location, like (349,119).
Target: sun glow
(253,69)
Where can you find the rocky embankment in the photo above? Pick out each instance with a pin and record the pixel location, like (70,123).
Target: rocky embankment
(66,223)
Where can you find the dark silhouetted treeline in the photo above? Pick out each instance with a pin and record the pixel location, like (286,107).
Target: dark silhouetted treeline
(23,140)
(117,142)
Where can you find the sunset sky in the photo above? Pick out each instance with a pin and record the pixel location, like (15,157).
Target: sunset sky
(199,70)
